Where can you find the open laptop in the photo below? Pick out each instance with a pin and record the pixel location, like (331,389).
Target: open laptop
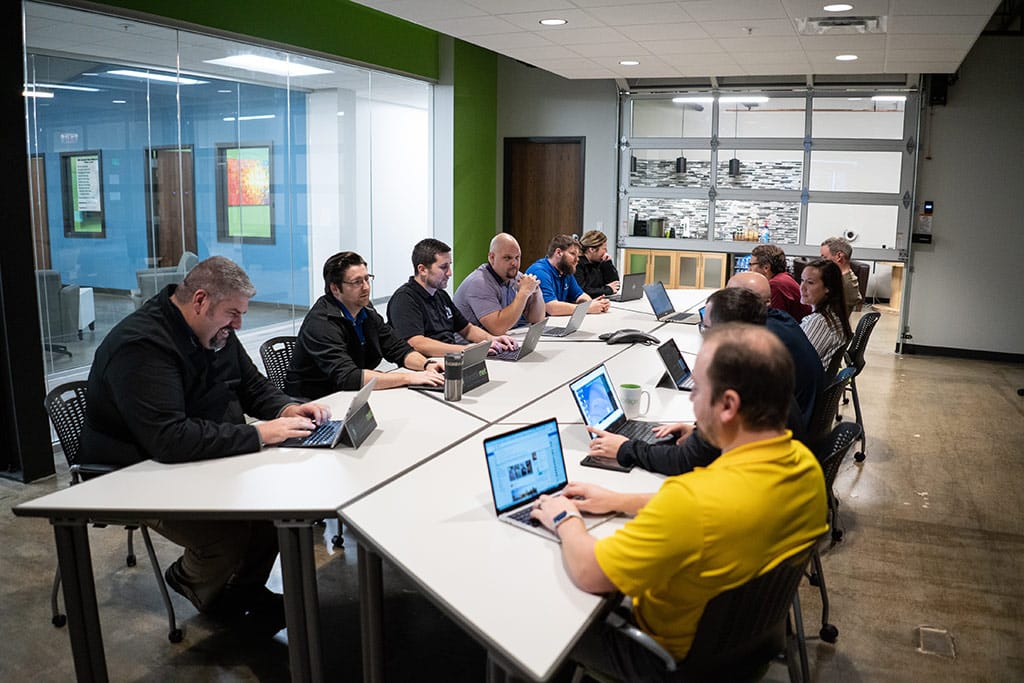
(474,369)
(632,287)
(677,375)
(600,407)
(524,464)
(528,345)
(664,311)
(574,322)
(353,429)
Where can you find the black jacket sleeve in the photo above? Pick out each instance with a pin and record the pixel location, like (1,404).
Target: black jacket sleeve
(669,459)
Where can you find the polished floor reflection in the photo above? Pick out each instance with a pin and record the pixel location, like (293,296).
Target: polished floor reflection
(934,536)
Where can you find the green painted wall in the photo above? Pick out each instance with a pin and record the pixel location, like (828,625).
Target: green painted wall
(336,27)
(475,155)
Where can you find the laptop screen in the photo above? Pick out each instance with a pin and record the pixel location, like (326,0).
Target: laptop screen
(658,297)
(525,463)
(596,398)
(674,362)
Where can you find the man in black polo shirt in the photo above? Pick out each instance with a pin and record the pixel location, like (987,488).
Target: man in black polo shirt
(423,314)
(343,339)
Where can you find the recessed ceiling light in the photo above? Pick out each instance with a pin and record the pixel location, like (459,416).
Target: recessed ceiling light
(267,65)
(629,62)
(225,90)
(158,77)
(846,58)
(839,7)
(553,22)
(889,98)
(37,93)
(256,117)
(693,99)
(119,101)
(55,86)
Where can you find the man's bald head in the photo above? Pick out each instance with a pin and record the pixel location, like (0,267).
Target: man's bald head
(752,282)
(504,255)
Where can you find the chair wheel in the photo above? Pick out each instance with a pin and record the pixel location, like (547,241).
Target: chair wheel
(837,535)
(58,620)
(829,633)
(859,456)
(337,541)
(813,579)
(176,635)
(130,560)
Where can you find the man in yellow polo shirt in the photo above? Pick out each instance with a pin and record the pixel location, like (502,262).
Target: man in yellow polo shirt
(706,531)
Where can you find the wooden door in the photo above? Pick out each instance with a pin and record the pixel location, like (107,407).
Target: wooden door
(543,191)
(40,220)
(171,208)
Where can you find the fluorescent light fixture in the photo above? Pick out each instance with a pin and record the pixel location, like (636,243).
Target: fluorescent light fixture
(743,99)
(889,98)
(250,118)
(225,90)
(341,113)
(119,101)
(629,62)
(155,76)
(846,58)
(267,65)
(693,99)
(838,7)
(37,93)
(55,86)
(553,22)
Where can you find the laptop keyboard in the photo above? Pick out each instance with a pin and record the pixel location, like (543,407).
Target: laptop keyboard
(639,431)
(523,516)
(509,354)
(555,331)
(323,435)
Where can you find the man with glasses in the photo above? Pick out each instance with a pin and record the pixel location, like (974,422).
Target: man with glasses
(770,261)
(343,339)
(497,296)
(423,314)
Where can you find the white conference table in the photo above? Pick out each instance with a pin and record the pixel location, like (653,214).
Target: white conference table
(596,324)
(291,487)
(682,300)
(508,587)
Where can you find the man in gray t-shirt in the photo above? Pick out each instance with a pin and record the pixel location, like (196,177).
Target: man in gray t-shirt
(496,296)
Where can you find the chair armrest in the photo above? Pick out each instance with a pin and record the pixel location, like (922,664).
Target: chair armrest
(88,471)
(618,622)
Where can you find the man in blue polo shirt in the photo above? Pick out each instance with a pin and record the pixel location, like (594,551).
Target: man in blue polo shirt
(423,314)
(555,271)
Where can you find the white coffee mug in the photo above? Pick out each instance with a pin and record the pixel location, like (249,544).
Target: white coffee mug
(632,398)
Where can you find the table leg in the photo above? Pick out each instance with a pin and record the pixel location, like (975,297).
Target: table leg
(371,614)
(301,599)
(72,537)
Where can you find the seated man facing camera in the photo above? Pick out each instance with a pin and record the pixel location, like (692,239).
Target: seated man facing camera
(343,339)
(702,533)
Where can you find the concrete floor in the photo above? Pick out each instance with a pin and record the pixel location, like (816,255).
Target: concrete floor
(934,536)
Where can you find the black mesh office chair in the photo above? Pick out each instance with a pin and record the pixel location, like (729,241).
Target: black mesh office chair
(820,425)
(830,453)
(855,359)
(65,405)
(741,630)
(276,354)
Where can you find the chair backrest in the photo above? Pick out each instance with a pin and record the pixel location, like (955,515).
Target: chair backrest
(824,413)
(863,272)
(65,405)
(276,354)
(836,362)
(187,262)
(859,342)
(835,448)
(744,628)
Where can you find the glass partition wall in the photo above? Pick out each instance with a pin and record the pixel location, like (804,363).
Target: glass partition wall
(152,147)
(720,170)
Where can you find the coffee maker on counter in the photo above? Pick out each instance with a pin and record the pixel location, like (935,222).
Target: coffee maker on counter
(639,226)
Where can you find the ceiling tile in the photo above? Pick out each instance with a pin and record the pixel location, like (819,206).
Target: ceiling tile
(625,50)
(588,4)
(419,11)
(663,32)
(864,43)
(959,42)
(474,26)
(772,57)
(943,67)
(681,46)
(706,61)
(507,41)
(551,52)
(513,6)
(584,35)
(943,7)
(763,43)
(813,8)
(759,27)
(936,24)
(733,10)
(575,19)
(632,15)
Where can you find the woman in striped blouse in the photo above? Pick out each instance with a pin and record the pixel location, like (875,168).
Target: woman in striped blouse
(827,327)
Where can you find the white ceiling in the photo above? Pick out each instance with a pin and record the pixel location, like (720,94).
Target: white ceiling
(705,38)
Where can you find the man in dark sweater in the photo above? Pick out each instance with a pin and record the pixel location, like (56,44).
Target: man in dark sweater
(343,339)
(171,382)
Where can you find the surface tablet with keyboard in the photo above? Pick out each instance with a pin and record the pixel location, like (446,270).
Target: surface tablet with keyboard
(358,419)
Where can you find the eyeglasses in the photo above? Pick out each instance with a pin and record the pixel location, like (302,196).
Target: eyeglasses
(359,281)
(753,264)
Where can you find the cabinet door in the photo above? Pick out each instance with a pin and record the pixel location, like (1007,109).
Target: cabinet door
(688,270)
(713,270)
(663,268)
(635,260)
